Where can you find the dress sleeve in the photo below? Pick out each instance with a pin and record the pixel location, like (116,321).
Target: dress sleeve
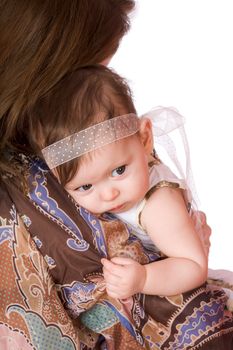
(161,176)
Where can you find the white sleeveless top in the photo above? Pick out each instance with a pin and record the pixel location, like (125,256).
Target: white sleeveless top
(159,176)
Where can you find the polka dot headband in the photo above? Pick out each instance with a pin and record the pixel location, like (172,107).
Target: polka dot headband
(90,139)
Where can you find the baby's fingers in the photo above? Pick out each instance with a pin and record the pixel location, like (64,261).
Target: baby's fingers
(115,291)
(111,268)
(111,278)
(113,294)
(107,264)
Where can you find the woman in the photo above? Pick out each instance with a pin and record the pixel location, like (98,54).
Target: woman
(40,43)
(48,247)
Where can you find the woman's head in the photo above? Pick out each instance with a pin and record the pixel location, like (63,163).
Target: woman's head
(81,99)
(41,41)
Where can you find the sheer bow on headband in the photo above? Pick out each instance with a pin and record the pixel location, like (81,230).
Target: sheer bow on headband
(164,120)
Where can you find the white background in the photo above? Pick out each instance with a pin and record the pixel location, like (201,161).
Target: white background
(179,53)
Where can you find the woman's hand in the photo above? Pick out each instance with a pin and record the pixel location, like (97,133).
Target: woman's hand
(202,229)
(123,276)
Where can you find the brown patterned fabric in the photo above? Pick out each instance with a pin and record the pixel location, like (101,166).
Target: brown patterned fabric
(52,290)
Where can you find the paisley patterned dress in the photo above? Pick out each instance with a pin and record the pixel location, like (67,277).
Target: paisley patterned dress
(52,290)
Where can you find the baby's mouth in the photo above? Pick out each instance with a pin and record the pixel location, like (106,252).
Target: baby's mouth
(117,209)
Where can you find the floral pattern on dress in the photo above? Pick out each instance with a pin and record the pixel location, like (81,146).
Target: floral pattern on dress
(52,289)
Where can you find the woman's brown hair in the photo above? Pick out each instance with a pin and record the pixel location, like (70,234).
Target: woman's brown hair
(42,41)
(81,99)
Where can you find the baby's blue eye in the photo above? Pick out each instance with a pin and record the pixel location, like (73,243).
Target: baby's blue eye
(84,188)
(119,171)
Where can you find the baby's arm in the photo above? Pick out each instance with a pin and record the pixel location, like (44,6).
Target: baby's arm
(167,221)
(202,229)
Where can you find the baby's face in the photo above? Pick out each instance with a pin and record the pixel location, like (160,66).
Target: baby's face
(112,179)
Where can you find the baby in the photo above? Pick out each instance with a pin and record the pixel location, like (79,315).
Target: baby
(102,153)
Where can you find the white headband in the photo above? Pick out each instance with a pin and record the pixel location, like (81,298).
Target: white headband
(164,120)
(89,139)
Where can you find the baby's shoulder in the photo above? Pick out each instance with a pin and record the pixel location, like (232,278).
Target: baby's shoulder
(161,176)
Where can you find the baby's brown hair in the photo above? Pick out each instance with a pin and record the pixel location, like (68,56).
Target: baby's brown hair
(81,99)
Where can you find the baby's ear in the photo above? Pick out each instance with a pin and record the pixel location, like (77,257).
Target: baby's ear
(146,136)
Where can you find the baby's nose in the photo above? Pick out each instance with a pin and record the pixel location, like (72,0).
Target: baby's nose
(110,193)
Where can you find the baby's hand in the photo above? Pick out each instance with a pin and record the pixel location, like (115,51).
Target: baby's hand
(123,276)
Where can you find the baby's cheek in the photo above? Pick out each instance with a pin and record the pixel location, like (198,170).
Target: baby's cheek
(140,190)
(92,203)
(78,199)
(144,182)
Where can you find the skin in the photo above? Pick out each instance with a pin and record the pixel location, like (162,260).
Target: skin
(105,183)
(202,229)
(116,183)
(199,218)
